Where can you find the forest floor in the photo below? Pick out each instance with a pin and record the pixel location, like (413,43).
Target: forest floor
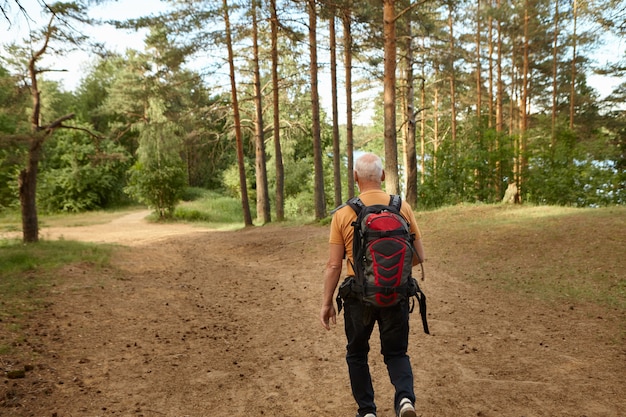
(192,322)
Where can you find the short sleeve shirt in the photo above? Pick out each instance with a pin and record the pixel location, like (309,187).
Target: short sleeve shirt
(342,231)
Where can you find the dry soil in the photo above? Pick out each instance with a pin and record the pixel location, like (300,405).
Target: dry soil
(192,322)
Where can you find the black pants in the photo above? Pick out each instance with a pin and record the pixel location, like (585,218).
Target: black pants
(393,324)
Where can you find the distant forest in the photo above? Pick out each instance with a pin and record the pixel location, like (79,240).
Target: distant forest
(470,99)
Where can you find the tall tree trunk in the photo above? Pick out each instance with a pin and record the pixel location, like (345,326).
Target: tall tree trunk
(410,155)
(347,57)
(499,82)
(27,180)
(524,103)
(320,200)
(499,103)
(514,120)
(392,183)
(423,127)
(335,110)
(262,191)
(555,44)
(435,124)
(278,155)
(478,185)
(572,97)
(452,77)
(479,97)
(491,97)
(493,146)
(526,70)
(514,91)
(245,203)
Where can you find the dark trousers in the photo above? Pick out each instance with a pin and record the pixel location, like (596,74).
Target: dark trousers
(393,325)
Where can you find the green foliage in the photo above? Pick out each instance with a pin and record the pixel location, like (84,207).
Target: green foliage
(211,207)
(81,173)
(179,127)
(12,102)
(193,194)
(300,205)
(158,177)
(92,93)
(12,149)
(230,179)
(9,168)
(208,150)
(567,174)
(159,186)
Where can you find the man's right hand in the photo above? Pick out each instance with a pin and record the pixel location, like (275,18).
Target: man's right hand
(328,315)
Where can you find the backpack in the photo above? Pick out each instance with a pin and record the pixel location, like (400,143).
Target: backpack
(383,254)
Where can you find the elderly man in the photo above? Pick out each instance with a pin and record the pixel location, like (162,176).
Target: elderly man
(393,322)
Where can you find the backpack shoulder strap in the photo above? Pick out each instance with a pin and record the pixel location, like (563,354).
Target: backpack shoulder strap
(356,204)
(395,201)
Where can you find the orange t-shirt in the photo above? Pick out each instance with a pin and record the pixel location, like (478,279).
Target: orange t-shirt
(342,231)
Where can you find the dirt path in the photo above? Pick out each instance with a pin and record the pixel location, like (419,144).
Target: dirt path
(204,323)
(130,230)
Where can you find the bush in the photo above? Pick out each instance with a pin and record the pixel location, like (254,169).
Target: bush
(212,207)
(160,187)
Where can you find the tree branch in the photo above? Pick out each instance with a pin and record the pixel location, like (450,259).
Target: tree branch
(58,122)
(82,129)
(408,9)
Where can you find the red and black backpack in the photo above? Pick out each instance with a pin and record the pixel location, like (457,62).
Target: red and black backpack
(383,254)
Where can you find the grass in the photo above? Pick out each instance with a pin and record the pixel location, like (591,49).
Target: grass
(25,269)
(550,253)
(10,220)
(27,272)
(211,208)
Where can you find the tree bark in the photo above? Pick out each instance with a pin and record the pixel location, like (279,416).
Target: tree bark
(245,203)
(335,110)
(410,155)
(452,77)
(392,184)
(555,42)
(27,183)
(524,103)
(478,179)
(499,82)
(479,95)
(572,98)
(499,102)
(320,200)
(27,180)
(490,46)
(278,155)
(423,128)
(435,124)
(262,192)
(347,47)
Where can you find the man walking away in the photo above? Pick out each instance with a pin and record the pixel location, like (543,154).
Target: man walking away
(360,317)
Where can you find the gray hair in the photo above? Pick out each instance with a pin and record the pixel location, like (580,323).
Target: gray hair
(369,167)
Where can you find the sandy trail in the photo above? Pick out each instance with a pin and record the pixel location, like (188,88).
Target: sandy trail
(191,322)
